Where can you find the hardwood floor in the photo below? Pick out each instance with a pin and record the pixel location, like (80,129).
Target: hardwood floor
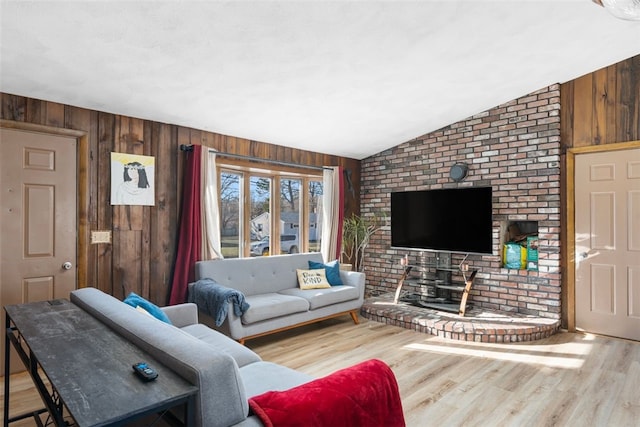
(565,380)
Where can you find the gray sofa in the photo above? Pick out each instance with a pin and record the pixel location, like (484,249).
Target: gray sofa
(270,286)
(226,372)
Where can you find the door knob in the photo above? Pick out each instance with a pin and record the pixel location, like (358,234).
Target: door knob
(67,266)
(583,255)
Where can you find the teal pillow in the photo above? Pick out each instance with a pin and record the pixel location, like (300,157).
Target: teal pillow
(135,300)
(332,269)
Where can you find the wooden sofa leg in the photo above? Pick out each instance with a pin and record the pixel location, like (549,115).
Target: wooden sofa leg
(241,341)
(354,316)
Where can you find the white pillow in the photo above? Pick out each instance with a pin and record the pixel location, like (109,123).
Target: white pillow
(313,279)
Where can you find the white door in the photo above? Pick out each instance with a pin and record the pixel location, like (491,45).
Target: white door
(37,219)
(607,223)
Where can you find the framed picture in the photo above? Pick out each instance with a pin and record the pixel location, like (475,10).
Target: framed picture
(132,179)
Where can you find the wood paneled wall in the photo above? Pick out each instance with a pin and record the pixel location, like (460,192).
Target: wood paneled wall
(602,107)
(144,241)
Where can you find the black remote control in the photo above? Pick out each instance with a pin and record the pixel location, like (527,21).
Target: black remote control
(145,372)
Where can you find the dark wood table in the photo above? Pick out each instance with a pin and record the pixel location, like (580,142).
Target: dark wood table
(89,368)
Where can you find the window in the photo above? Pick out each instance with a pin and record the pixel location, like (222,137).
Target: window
(260,214)
(230,213)
(315,215)
(265,212)
(290,215)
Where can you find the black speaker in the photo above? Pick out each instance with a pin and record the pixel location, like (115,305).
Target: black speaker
(458,172)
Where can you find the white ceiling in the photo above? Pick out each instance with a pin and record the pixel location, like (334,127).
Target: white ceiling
(350,78)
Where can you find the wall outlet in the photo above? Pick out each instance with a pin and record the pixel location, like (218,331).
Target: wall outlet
(100,237)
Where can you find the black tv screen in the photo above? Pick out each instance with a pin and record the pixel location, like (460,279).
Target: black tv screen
(453,220)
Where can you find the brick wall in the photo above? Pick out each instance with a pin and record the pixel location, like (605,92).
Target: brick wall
(515,149)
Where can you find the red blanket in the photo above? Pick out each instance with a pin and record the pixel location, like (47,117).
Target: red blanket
(365,394)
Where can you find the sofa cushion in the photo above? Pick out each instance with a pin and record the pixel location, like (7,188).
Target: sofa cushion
(332,270)
(242,355)
(312,279)
(322,297)
(261,377)
(136,301)
(271,305)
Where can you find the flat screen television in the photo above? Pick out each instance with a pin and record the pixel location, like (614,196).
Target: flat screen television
(452,220)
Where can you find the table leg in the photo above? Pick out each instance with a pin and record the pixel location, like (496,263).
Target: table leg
(30,362)
(407,269)
(465,293)
(190,415)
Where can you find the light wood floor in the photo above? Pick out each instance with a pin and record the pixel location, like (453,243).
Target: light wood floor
(566,380)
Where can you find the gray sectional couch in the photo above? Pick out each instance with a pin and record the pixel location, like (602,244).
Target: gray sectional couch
(226,372)
(270,286)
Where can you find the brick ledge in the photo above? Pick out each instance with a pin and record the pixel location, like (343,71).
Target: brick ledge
(479,325)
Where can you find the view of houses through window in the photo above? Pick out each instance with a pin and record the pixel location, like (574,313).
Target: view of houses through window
(269,212)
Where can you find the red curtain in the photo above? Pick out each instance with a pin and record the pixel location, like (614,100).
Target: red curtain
(190,233)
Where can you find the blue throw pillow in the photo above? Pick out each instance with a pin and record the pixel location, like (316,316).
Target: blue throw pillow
(332,269)
(135,300)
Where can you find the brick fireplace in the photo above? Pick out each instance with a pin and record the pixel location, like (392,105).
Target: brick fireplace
(515,149)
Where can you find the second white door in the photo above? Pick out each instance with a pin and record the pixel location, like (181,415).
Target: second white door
(607,223)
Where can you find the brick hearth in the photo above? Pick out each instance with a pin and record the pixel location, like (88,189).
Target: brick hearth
(479,324)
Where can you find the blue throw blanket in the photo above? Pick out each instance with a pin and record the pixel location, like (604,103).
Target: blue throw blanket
(214,299)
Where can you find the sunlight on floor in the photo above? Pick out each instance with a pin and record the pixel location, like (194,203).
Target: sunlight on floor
(564,355)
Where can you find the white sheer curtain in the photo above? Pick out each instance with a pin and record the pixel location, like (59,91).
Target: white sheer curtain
(332,213)
(209,208)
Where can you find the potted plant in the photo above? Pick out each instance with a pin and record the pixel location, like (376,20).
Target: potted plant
(356,232)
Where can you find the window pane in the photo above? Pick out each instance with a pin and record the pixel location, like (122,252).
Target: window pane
(230,214)
(315,215)
(289,215)
(260,219)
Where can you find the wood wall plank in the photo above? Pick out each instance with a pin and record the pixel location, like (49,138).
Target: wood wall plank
(54,115)
(101,195)
(600,97)
(629,99)
(566,115)
(78,118)
(34,111)
(127,262)
(164,218)
(583,111)
(145,241)
(14,108)
(610,105)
